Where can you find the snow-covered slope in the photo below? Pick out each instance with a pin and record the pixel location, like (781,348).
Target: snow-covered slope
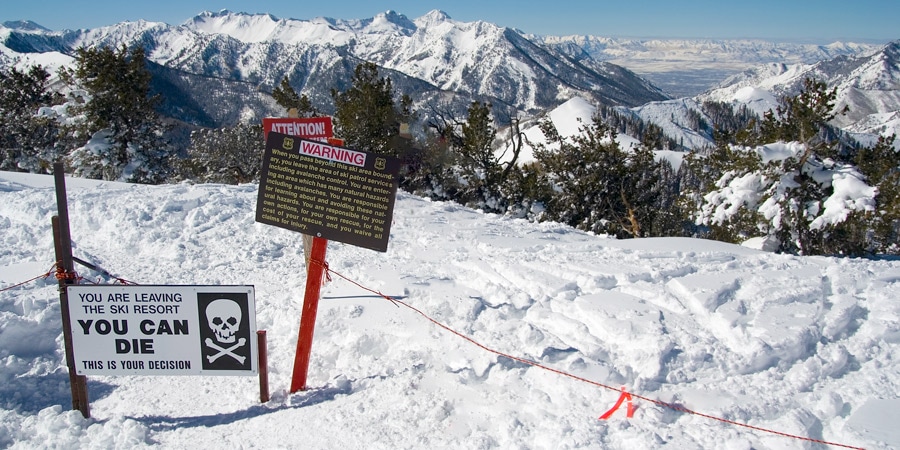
(801,345)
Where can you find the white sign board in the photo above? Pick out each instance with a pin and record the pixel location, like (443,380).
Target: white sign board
(163,330)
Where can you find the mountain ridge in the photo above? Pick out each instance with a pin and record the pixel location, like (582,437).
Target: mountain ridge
(236,58)
(869,86)
(499,65)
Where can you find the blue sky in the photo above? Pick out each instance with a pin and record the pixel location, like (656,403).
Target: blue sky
(816,20)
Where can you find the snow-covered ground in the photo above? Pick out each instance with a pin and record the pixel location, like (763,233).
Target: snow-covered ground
(806,346)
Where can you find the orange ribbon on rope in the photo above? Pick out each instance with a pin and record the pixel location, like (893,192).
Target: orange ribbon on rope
(622,398)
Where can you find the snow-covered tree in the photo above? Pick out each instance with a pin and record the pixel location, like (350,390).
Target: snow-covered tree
(126,138)
(800,190)
(229,155)
(28,129)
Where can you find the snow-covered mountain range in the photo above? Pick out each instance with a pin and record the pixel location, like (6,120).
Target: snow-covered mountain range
(433,58)
(869,85)
(216,68)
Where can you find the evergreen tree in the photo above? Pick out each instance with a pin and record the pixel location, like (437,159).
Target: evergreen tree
(787,198)
(599,186)
(366,115)
(27,138)
(127,138)
(480,171)
(285,95)
(230,155)
(572,171)
(642,194)
(477,143)
(429,171)
(481,159)
(804,118)
(652,138)
(708,172)
(467,163)
(725,120)
(528,191)
(881,164)
(669,218)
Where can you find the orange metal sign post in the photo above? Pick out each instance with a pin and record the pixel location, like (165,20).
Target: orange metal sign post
(315,271)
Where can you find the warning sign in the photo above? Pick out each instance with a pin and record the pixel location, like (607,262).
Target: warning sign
(327,191)
(316,128)
(163,330)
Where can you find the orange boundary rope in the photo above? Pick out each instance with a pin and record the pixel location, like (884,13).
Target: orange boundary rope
(62,275)
(49,272)
(585,380)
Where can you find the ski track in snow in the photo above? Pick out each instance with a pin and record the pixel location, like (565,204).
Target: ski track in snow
(806,346)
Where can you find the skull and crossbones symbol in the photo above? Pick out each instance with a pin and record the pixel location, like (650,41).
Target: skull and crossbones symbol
(224,318)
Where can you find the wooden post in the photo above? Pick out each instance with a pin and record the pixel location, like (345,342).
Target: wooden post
(315,270)
(62,240)
(262,351)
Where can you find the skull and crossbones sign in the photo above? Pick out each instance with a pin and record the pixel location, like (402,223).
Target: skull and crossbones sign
(224,319)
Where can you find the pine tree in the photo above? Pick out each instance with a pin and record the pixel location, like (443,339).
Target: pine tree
(641,193)
(668,217)
(786,198)
(479,169)
(230,155)
(366,115)
(574,170)
(27,138)
(712,171)
(881,164)
(127,138)
(287,97)
(599,186)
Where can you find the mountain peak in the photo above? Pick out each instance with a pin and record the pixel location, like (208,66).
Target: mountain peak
(23,25)
(437,14)
(892,50)
(433,17)
(393,17)
(210,14)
